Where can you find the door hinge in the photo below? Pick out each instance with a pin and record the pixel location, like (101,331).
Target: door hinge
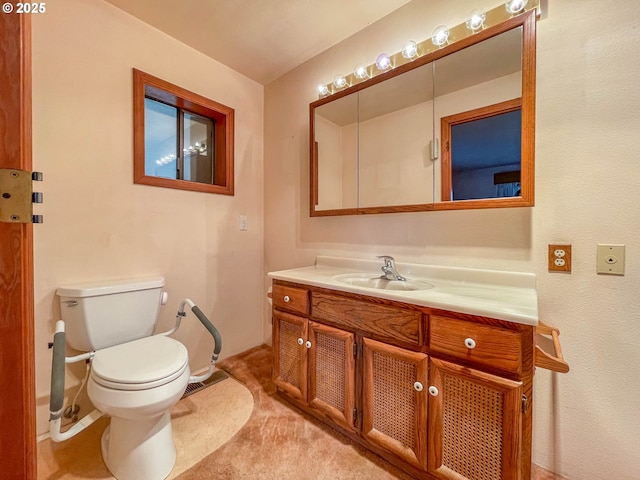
(355,417)
(525,404)
(17,196)
(355,349)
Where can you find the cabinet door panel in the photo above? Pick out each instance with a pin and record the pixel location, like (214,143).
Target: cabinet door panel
(394,411)
(290,355)
(332,373)
(474,424)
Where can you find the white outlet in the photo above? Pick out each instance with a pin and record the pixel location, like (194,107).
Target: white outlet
(610,259)
(559,253)
(559,262)
(243,223)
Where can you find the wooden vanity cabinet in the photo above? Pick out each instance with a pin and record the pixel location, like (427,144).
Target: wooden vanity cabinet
(394,405)
(314,363)
(474,423)
(439,394)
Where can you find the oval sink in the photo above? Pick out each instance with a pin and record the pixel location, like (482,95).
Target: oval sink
(377,283)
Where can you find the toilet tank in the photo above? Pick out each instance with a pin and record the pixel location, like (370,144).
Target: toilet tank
(100,315)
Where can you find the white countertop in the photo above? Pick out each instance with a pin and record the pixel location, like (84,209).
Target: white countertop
(497,294)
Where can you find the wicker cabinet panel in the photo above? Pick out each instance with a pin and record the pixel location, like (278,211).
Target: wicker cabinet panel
(380,321)
(293,299)
(332,373)
(474,424)
(490,346)
(290,354)
(394,408)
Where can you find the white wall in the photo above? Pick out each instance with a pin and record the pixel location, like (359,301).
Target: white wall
(587,192)
(98,224)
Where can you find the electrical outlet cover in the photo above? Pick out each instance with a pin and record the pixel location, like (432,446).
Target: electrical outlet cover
(559,258)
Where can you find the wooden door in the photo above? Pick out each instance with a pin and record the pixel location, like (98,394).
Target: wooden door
(290,334)
(332,373)
(17,371)
(394,401)
(474,424)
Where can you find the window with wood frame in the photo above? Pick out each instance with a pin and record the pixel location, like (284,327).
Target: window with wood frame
(181,139)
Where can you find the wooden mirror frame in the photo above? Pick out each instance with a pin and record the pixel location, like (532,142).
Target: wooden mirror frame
(525,20)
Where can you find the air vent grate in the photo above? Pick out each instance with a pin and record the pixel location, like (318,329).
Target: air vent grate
(216,377)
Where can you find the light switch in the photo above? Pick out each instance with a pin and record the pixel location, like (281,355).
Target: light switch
(610,259)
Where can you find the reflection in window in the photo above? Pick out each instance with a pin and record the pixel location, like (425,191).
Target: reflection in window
(160,139)
(169,130)
(197,135)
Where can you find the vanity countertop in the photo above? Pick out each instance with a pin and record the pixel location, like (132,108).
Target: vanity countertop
(497,294)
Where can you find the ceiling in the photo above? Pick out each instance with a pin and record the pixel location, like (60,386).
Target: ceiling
(262,39)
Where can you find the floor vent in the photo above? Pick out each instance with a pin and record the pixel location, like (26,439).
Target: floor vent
(217,376)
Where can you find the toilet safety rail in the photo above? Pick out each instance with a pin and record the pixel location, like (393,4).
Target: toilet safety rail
(58,361)
(217,339)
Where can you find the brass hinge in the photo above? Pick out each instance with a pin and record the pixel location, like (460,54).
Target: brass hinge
(355,417)
(17,196)
(355,349)
(525,404)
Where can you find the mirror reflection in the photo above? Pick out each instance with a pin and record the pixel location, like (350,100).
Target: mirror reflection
(478,107)
(372,147)
(395,129)
(451,130)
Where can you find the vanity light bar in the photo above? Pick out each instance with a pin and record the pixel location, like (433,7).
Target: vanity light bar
(492,17)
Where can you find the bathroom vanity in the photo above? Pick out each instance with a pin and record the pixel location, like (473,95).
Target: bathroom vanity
(434,374)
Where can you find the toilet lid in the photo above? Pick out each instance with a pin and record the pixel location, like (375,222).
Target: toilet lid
(145,363)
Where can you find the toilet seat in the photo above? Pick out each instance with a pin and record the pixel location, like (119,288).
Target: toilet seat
(141,364)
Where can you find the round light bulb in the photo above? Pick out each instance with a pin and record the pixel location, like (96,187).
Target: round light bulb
(339,81)
(515,6)
(476,20)
(440,36)
(323,90)
(360,72)
(410,49)
(383,62)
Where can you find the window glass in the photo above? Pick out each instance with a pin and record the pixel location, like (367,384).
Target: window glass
(181,139)
(196,148)
(160,139)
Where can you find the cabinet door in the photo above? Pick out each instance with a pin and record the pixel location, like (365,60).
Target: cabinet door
(290,354)
(332,373)
(394,414)
(474,424)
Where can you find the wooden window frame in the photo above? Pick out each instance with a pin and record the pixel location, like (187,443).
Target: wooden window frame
(145,85)
(464,117)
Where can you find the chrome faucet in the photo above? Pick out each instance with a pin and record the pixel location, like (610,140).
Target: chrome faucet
(389,269)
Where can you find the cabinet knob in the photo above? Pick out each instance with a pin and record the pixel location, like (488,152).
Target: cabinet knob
(433,391)
(300,341)
(286,299)
(308,344)
(470,343)
(418,386)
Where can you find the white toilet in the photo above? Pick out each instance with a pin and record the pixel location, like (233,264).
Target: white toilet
(135,378)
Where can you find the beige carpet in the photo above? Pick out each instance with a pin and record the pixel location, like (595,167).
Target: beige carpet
(201,423)
(279,442)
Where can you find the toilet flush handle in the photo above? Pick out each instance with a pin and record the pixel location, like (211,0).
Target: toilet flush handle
(164,298)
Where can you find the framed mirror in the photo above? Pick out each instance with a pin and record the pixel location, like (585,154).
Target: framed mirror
(452,129)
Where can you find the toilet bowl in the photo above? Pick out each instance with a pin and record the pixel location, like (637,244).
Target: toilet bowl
(136,377)
(137,383)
